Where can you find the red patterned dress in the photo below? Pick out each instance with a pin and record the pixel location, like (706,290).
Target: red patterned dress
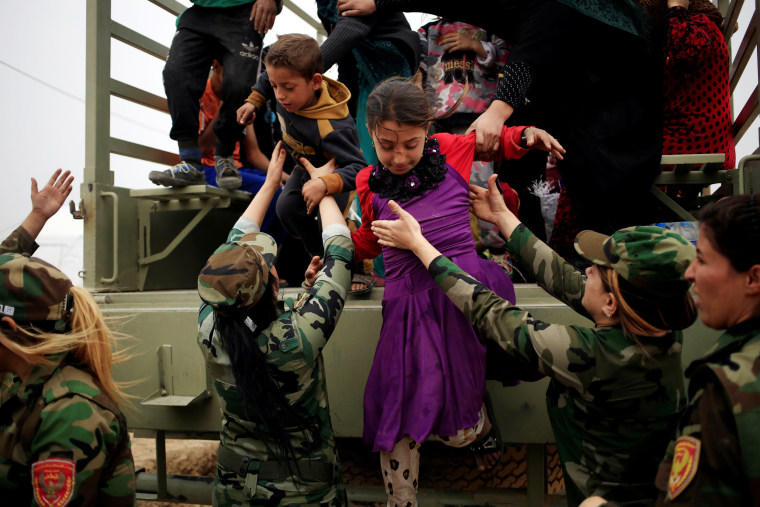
(697,116)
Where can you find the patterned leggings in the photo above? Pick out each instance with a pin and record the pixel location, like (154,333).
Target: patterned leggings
(401,466)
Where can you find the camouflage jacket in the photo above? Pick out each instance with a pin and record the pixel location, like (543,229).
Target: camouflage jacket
(293,344)
(60,436)
(612,407)
(715,456)
(19,241)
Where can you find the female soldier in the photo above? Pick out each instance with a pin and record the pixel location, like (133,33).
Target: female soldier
(714,459)
(63,438)
(615,389)
(277,445)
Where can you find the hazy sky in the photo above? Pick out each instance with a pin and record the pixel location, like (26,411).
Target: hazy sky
(42,68)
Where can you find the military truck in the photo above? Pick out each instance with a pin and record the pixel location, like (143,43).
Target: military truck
(144,247)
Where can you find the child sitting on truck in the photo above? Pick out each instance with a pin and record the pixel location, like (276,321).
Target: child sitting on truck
(316,127)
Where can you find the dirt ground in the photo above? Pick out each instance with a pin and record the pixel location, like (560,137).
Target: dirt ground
(440,467)
(183,457)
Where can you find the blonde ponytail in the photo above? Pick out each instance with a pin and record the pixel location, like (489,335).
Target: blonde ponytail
(90,341)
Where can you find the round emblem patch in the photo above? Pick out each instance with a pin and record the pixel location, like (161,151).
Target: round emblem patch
(53,482)
(684,467)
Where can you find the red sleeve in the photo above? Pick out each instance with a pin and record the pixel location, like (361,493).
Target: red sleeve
(459,151)
(365,241)
(510,142)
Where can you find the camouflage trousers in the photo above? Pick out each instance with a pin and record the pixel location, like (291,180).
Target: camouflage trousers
(231,489)
(401,466)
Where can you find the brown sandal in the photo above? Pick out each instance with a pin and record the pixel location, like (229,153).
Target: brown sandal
(367,280)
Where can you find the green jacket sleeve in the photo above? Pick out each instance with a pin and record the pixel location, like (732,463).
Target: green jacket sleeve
(19,241)
(558,277)
(555,350)
(315,315)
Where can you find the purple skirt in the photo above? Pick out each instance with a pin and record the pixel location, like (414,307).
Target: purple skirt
(428,374)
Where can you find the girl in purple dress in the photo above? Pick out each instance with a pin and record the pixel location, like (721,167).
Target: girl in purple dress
(428,373)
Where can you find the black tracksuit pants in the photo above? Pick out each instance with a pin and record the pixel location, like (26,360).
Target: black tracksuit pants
(204,34)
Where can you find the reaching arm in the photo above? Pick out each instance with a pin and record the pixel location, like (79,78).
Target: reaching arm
(45,204)
(260,202)
(328,208)
(260,92)
(550,270)
(538,344)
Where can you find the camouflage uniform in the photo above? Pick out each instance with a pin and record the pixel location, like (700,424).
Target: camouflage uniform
(612,408)
(715,456)
(293,343)
(57,425)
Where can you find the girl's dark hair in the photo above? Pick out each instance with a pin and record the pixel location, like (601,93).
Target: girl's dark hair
(400,99)
(263,401)
(732,225)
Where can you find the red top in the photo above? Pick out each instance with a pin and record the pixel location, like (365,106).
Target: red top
(460,153)
(697,115)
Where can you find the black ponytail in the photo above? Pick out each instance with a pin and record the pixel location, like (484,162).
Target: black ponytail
(263,401)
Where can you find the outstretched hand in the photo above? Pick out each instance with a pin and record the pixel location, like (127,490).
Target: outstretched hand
(314,190)
(487,204)
(48,201)
(356,7)
(541,139)
(403,233)
(310,276)
(276,163)
(317,172)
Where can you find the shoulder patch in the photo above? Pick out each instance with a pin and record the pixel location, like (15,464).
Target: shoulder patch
(53,482)
(684,467)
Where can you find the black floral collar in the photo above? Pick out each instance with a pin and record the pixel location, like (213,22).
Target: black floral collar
(430,171)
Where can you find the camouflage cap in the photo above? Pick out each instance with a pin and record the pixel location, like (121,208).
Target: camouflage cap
(31,290)
(236,274)
(646,256)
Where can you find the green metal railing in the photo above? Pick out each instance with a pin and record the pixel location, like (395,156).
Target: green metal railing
(117,230)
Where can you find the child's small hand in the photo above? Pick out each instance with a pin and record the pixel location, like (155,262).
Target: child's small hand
(316,172)
(356,7)
(313,191)
(455,41)
(246,113)
(541,139)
